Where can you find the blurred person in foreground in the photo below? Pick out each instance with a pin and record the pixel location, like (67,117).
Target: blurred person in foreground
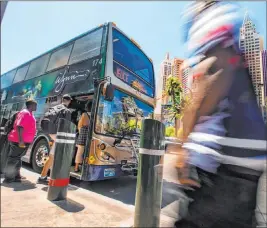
(224,135)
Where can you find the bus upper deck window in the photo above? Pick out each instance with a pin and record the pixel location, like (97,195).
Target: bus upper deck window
(7,78)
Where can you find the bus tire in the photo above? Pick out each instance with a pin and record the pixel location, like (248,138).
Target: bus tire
(40,155)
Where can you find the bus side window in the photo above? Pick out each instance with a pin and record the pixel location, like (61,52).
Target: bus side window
(20,106)
(42,107)
(3,108)
(2,112)
(8,111)
(14,107)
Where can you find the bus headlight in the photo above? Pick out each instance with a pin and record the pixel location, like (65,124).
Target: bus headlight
(102,146)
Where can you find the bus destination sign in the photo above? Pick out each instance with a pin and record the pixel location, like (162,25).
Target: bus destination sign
(132,80)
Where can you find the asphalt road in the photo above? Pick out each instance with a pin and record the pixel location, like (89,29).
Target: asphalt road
(123,189)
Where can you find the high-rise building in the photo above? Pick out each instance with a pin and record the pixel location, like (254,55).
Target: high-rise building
(264,73)
(264,76)
(186,73)
(261,43)
(185,77)
(159,86)
(176,67)
(165,70)
(251,45)
(167,67)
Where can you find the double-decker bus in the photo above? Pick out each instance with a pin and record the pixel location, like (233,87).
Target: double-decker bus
(85,67)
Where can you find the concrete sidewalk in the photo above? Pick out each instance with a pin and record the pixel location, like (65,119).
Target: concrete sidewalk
(25,205)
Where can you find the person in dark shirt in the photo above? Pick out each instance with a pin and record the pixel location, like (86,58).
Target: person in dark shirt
(66,114)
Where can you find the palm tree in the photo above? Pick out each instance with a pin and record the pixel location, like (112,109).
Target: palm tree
(175,90)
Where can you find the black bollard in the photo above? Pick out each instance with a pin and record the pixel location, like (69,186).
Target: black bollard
(60,173)
(2,131)
(4,149)
(4,153)
(150,174)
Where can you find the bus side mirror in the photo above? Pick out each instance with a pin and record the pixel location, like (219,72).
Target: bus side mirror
(108,91)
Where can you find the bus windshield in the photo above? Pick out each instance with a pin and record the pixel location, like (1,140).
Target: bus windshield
(136,65)
(124,112)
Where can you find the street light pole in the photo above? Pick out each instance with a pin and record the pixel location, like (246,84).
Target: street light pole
(3,8)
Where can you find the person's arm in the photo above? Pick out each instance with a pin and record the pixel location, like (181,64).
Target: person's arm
(87,118)
(217,77)
(20,133)
(81,122)
(217,74)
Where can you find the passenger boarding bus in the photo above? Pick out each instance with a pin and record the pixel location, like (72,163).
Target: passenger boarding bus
(103,66)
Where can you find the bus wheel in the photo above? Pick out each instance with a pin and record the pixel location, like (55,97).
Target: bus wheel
(40,155)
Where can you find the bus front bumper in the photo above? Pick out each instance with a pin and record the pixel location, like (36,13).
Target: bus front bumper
(103,172)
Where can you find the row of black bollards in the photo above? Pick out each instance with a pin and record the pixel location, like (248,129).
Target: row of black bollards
(150,175)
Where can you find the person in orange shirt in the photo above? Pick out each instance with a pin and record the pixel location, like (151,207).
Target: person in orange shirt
(83,132)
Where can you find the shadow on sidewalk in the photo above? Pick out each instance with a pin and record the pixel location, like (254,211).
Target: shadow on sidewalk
(124,189)
(121,189)
(70,188)
(20,186)
(69,205)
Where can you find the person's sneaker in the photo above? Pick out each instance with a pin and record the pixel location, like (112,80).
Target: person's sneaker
(76,170)
(42,180)
(19,178)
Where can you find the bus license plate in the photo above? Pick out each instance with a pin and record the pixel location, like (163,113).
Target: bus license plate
(109,172)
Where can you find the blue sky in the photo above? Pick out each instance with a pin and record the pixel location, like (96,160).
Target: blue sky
(31,28)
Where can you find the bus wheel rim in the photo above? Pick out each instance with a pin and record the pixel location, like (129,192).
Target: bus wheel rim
(41,156)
